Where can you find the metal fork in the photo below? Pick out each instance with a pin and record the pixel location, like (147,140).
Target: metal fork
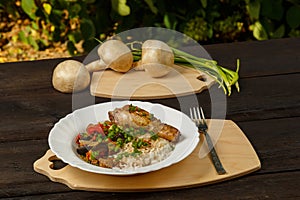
(199,119)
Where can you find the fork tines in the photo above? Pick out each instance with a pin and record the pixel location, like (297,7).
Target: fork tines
(198,117)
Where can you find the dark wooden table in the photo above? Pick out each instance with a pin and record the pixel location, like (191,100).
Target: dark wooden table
(267,109)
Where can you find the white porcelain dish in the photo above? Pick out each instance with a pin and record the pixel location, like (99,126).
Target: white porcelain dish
(62,135)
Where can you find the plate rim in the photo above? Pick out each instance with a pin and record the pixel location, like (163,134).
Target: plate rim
(96,169)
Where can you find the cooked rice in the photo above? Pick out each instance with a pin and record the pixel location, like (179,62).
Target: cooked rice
(157,151)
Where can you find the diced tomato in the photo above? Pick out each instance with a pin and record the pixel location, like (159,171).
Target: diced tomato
(77,138)
(88,155)
(92,128)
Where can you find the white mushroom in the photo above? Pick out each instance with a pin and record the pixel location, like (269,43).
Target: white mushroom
(69,76)
(157,58)
(114,54)
(96,65)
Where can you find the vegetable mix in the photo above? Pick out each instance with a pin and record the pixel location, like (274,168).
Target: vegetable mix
(101,141)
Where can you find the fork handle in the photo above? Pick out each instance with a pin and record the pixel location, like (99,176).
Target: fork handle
(213,154)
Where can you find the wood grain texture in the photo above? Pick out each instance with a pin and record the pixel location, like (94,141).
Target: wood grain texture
(259,58)
(249,187)
(37,113)
(139,85)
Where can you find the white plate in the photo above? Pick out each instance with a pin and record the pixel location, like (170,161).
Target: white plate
(61,136)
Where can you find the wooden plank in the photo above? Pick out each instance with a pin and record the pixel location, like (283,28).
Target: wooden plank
(275,143)
(259,58)
(18,169)
(249,187)
(266,98)
(260,98)
(32,115)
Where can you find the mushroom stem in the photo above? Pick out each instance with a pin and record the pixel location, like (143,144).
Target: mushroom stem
(96,66)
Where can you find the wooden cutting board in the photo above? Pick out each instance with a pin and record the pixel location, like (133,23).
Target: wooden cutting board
(140,85)
(234,150)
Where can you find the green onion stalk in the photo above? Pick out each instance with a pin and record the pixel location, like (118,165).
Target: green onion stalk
(225,77)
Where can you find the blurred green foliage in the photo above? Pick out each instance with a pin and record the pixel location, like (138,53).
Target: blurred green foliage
(82,21)
(274,18)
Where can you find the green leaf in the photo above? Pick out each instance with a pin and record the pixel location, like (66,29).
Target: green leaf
(167,21)
(47,7)
(170,21)
(14,38)
(253,8)
(210,32)
(259,32)
(87,29)
(204,3)
(33,43)
(57,12)
(34,25)
(120,7)
(74,36)
(294,33)
(44,42)
(279,33)
(151,6)
(293,17)
(22,37)
(29,8)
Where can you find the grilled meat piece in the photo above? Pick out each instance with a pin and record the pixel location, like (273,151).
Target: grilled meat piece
(169,132)
(133,116)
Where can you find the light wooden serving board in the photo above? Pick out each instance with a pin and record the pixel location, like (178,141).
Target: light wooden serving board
(234,150)
(140,85)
